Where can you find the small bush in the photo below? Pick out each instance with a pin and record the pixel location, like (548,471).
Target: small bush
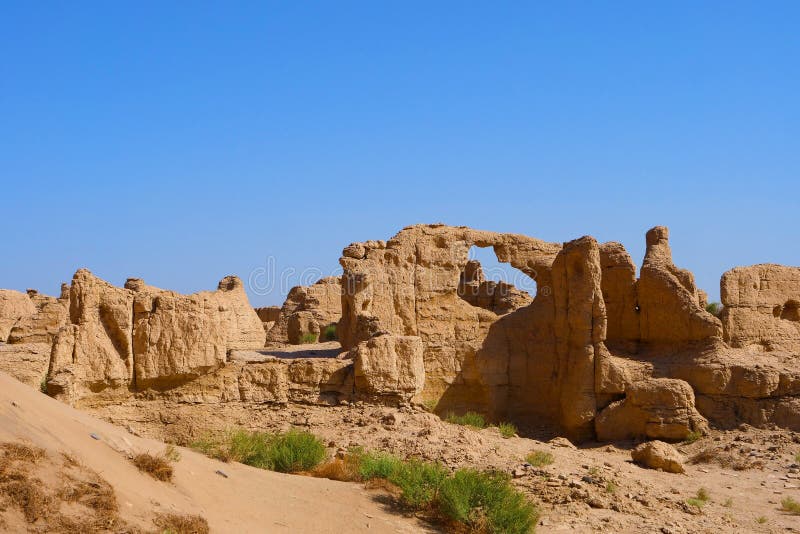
(790,505)
(43,385)
(329,334)
(539,458)
(611,487)
(296,451)
(693,436)
(345,469)
(378,465)
(507,430)
(430,404)
(308,338)
(761,520)
(482,500)
(714,308)
(700,499)
(157,467)
(211,447)
(728,503)
(472,419)
(289,452)
(419,482)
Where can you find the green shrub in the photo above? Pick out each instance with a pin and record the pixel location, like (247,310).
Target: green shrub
(296,451)
(700,499)
(790,505)
(714,308)
(611,487)
(288,452)
(507,430)
(419,482)
(43,385)
(761,520)
(308,338)
(539,458)
(211,447)
(472,419)
(478,499)
(378,465)
(329,334)
(693,436)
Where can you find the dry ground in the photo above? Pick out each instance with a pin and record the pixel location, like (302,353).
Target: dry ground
(595,488)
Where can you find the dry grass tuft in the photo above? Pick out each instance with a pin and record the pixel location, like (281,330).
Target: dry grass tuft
(344,470)
(711,455)
(21,452)
(26,493)
(182,524)
(157,467)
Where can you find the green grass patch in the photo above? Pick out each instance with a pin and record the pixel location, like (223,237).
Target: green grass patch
(288,452)
(539,458)
(329,334)
(308,338)
(481,500)
(507,430)
(693,436)
(761,520)
(485,502)
(700,499)
(790,505)
(472,419)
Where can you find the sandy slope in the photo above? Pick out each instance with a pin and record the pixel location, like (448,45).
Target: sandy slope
(249,500)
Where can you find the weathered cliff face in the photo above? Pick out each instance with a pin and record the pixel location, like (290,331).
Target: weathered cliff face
(550,359)
(13,307)
(140,337)
(669,303)
(595,353)
(41,327)
(762,307)
(307,312)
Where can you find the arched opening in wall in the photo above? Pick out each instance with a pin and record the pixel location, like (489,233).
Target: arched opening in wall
(492,285)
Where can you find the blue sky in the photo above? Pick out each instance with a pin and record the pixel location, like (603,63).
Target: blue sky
(184,141)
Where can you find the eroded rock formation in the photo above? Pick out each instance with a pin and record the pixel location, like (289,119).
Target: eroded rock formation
(596,353)
(308,312)
(13,307)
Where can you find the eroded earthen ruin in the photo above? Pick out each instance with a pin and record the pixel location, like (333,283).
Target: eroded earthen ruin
(596,353)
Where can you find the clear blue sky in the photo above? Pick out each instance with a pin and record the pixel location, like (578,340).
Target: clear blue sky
(183,141)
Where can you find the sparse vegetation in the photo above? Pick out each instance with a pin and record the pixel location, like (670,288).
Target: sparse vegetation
(790,505)
(172,453)
(714,308)
(724,459)
(611,487)
(728,503)
(761,520)
(539,458)
(507,430)
(289,452)
(329,334)
(157,467)
(797,458)
(700,499)
(43,385)
(472,419)
(308,338)
(693,436)
(181,524)
(484,502)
